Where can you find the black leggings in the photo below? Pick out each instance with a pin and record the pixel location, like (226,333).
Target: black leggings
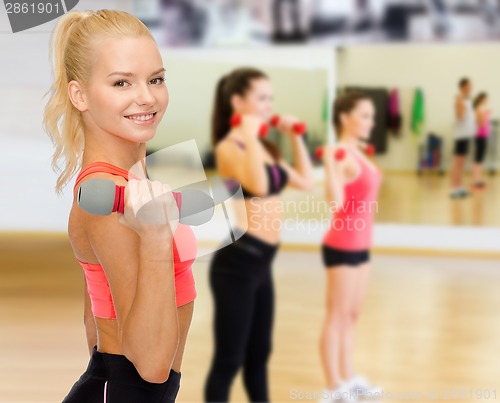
(242,288)
(480,153)
(112,378)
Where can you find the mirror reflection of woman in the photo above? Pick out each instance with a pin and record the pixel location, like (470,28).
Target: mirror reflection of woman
(351,183)
(483,124)
(240,273)
(106,101)
(463,131)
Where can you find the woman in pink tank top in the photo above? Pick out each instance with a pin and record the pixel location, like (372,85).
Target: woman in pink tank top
(483,123)
(106,101)
(352,183)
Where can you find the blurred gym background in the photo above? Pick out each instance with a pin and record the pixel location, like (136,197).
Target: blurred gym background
(431,317)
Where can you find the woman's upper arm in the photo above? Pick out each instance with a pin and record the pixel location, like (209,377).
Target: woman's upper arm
(335,177)
(116,247)
(88,316)
(231,163)
(87,306)
(459,107)
(483,116)
(88,320)
(225,155)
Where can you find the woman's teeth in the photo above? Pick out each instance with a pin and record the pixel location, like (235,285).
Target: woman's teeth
(143,117)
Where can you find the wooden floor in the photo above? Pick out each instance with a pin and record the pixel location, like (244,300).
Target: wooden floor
(406,198)
(429,324)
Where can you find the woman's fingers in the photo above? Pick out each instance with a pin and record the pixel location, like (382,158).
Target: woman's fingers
(286,122)
(138,170)
(171,210)
(149,202)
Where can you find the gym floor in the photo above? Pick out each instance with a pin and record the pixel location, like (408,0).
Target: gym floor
(430,324)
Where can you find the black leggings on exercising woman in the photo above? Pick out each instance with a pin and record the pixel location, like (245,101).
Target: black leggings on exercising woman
(112,378)
(242,287)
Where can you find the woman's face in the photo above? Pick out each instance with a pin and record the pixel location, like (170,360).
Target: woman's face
(127,95)
(258,100)
(467,89)
(359,121)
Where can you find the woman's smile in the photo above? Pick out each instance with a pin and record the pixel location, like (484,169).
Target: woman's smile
(142,119)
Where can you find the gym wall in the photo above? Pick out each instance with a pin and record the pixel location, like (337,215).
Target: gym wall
(299,77)
(434,68)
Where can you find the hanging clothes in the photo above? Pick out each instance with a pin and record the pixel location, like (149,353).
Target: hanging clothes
(325,112)
(418,114)
(394,119)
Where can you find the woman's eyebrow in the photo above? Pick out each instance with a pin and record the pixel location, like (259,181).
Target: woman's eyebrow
(123,73)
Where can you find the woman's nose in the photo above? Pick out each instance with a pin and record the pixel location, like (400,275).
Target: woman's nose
(144,95)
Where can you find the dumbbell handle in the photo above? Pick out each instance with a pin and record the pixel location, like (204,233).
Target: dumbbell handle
(102,197)
(339,153)
(119,204)
(298,128)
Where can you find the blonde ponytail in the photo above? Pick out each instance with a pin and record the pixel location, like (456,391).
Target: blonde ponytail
(70,53)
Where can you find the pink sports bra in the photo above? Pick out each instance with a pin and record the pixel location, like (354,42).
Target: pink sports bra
(484,129)
(351,226)
(184,244)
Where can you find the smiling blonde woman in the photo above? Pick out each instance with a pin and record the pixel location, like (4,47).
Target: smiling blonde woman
(106,101)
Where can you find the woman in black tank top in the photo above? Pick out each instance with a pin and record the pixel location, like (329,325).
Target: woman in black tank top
(240,273)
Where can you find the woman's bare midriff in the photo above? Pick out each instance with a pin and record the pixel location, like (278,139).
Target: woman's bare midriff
(262,218)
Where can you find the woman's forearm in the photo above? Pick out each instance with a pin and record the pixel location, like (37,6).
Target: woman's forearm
(91,333)
(150,334)
(302,162)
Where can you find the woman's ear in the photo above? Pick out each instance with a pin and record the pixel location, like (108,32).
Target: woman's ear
(343,119)
(236,103)
(77,96)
